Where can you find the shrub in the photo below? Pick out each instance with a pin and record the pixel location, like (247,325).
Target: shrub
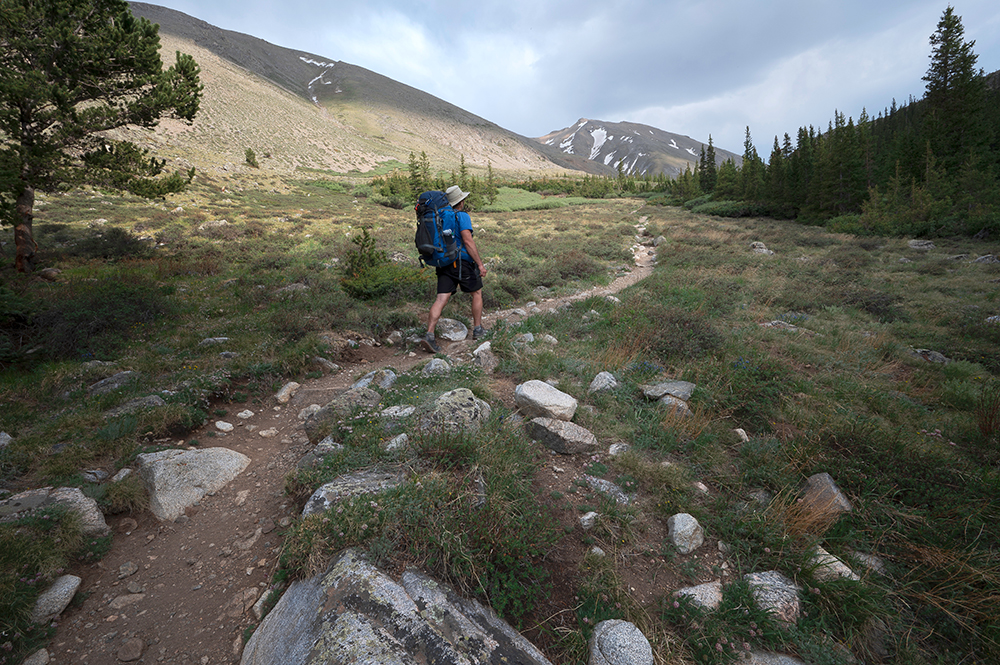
(98,319)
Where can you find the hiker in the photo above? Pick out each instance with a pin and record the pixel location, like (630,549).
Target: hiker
(466,273)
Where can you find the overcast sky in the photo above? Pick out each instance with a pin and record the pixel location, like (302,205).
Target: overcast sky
(693,67)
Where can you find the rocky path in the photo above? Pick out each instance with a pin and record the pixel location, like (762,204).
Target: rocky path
(184,592)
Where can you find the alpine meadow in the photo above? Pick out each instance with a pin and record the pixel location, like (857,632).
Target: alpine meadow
(727,409)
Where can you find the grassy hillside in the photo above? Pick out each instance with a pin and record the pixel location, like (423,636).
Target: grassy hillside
(258,95)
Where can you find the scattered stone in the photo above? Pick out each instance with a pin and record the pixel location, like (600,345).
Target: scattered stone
(127,569)
(775,593)
(455,411)
(94,475)
(112,383)
(921,245)
(40,657)
(561,436)
(51,602)
(213,341)
(680,389)
(121,475)
(685,532)
(131,650)
(617,642)
(608,488)
(538,399)
(124,601)
(451,330)
(269,433)
(760,248)
(287,392)
(139,404)
(676,407)
(707,596)
(603,382)
(248,414)
(5,440)
(340,406)
(223,426)
(827,567)
(988,258)
(741,433)
(345,614)
(823,498)
(397,445)
(398,412)
(587,520)
(382,378)
(436,367)
(177,479)
(358,483)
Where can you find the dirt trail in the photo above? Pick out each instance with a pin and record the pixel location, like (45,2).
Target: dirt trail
(196,580)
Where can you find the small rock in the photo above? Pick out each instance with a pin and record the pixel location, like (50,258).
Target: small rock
(127,569)
(223,426)
(131,650)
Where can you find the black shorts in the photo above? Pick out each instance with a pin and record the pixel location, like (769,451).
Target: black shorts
(449,280)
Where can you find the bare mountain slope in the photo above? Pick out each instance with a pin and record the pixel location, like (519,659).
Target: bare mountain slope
(640,149)
(304,110)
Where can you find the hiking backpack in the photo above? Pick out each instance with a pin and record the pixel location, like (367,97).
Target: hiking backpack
(437,230)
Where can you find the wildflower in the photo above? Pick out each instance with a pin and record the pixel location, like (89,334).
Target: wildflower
(676,604)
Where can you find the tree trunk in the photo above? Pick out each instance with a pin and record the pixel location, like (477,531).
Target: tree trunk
(23,240)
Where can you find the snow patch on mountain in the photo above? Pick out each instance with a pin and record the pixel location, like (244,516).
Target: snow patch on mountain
(599,135)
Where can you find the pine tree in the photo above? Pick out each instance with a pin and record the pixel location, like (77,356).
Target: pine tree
(71,71)
(752,172)
(955,95)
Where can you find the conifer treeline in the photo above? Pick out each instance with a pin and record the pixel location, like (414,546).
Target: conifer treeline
(927,167)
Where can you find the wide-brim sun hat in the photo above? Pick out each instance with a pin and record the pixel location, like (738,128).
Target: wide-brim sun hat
(455,195)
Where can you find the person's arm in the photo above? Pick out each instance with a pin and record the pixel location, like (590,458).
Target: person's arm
(470,247)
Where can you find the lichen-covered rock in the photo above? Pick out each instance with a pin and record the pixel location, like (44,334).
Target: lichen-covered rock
(355,613)
(318,424)
(368,481)
(455,411)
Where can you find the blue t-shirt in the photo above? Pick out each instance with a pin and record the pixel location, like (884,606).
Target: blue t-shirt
(464,224)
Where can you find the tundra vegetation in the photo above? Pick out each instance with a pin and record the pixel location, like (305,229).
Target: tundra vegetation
(912,443)
(837,388)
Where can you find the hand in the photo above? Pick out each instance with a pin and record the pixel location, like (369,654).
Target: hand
(482,270)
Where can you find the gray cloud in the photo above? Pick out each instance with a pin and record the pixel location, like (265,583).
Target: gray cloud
(696,68)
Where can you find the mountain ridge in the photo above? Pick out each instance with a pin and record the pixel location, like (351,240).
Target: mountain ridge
(348,118)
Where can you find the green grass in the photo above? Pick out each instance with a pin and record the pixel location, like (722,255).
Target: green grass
(913,444)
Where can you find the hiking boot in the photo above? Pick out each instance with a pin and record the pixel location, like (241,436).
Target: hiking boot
(430,344)
(479,331)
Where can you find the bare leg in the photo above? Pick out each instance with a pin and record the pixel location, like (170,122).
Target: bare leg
(477,308)
(436,309)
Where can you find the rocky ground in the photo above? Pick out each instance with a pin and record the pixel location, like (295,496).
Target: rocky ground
(183,592)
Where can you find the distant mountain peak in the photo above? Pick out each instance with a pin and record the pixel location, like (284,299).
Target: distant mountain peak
(638,149)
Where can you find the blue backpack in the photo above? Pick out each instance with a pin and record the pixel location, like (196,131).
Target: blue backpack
(438,238)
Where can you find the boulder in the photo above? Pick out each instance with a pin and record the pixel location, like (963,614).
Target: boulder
(358,483)
(679,389)
(617,642)
(602,382)
(561,436)
(177,479)
(343,405)
(775,593)
(383,378)
(537,399)
(685,533)
(455,411)
(92,521)
(823,499)
(451,330)
(51,602)
(706,596)
(355,613)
